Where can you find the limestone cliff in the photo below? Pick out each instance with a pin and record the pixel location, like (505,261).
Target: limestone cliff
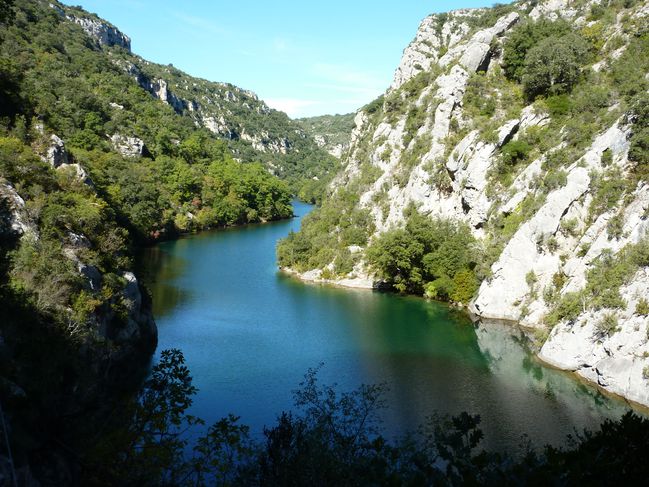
(253,131)
(550,184)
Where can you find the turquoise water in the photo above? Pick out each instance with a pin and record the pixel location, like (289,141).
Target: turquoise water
(250,333)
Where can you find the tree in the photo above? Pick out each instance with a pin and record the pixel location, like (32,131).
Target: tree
(525,37)
(553,66)
(6,11)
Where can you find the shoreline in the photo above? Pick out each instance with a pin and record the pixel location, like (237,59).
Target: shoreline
(370,285)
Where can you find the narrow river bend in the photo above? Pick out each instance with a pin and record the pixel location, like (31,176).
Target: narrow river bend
(250,333)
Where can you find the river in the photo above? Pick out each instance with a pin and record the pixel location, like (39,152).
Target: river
(249,334)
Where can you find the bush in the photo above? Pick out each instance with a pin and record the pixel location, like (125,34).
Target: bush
(553,66)
(615,226)
(465,285)
(523,38)
(642,307)
(515,151)
(607,325)
(427,256)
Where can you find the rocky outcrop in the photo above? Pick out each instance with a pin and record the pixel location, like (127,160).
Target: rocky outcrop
(101,31)
(56,154)
(619,361)
(503,295)
(128,146)
(263,142)
(14,220)
(436,33)
(537,222)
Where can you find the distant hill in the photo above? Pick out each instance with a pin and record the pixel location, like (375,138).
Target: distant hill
(331,132)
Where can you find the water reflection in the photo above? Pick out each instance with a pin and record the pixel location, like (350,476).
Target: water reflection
(559,402)
(159,267)
(249,334)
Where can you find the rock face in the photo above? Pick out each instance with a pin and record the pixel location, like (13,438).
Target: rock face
(427,145)
(56,153)
(128,146)
(13,214)
(102,32)
(57,156)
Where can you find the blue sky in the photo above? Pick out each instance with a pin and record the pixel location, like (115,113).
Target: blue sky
(305,58)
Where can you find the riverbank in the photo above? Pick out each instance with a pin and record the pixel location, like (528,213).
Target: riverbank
(315,276)
(634,394)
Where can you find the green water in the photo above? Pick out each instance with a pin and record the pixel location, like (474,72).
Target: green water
(250,333)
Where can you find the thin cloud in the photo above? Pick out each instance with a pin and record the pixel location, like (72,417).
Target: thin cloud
(293,107)
(280,45)
(347,76)
(201,23)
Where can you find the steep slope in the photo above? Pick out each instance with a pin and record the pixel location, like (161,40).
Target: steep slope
(252,130)
(520,133)
(97,156)
(331,132)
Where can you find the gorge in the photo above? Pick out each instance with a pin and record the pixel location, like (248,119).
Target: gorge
(249,334)
(145,213)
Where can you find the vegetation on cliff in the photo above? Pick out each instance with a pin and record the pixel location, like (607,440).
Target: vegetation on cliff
(91,164)
(576,85)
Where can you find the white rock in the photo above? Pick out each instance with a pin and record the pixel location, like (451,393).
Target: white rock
(56,154)
(128,146)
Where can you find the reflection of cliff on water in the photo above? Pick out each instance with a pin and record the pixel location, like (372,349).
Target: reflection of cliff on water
(159,267)
(524,384)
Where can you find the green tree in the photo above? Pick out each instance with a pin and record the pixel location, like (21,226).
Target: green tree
(553,66)
(7,12)
(523,38)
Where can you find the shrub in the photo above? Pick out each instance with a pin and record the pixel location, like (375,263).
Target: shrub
(642,307)
(607,190)
(553,66)
(607,325)
(515,151)
(530,278)
(465,285)
(555,180)
(426,257)
(570,226)
(615,226)
(559,105)
(523,38)
(568,308)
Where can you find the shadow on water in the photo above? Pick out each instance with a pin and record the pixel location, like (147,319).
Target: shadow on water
(249,334)
(158,268)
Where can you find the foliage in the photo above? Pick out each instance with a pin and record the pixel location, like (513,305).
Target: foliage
(553,66)
(607,190)
(335,129)
(515,151)
(335,439)
(6,11)
(607,325)
(642,307)
(603,282)
(523,38)
(427,255)
(326,234)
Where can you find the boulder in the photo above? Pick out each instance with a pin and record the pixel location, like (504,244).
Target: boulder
(128,146)
(56,154)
